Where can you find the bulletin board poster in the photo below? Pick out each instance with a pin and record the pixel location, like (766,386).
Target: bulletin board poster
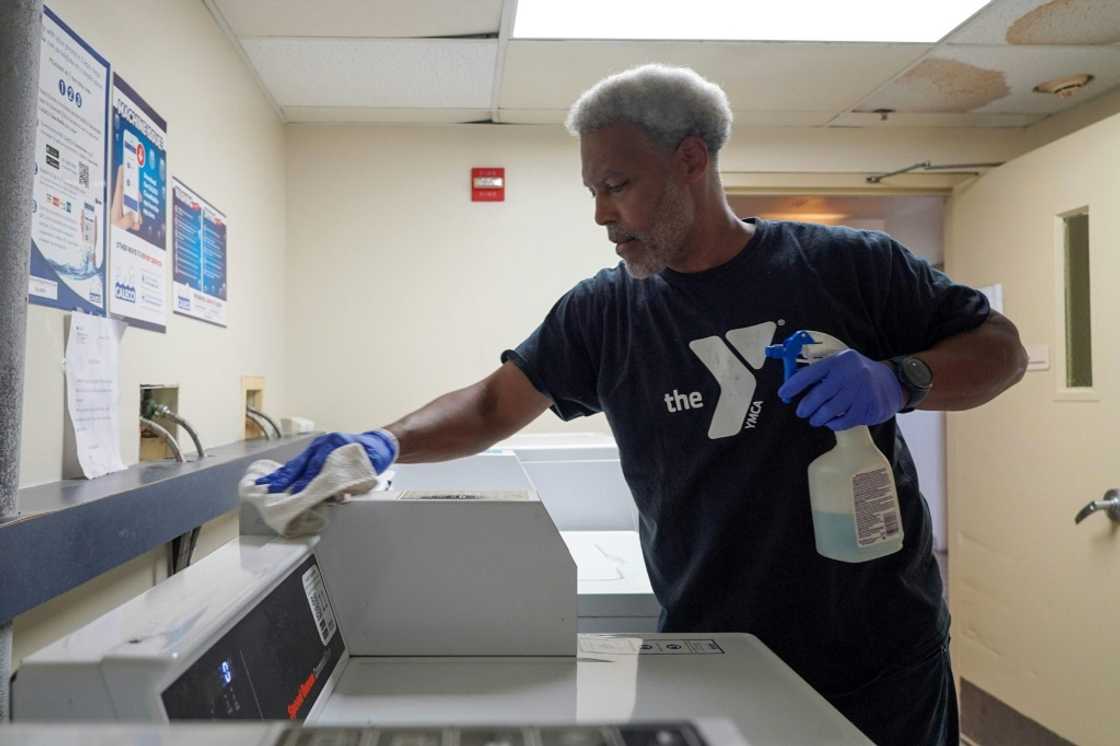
(198,234)
(137,211)
(68,202)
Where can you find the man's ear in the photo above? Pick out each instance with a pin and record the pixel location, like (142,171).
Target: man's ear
(693,158)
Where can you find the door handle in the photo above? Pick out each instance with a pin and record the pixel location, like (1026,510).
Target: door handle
(1109,503)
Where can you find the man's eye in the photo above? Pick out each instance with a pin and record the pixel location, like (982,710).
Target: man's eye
(616,188)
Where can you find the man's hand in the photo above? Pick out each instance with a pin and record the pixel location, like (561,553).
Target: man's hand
(845,390)
(380,446)
(458,424)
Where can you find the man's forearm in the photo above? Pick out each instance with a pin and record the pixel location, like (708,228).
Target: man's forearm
(974,367)
(469,420)
(451,426)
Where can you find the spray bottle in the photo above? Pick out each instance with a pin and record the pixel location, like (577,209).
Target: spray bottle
(852,494)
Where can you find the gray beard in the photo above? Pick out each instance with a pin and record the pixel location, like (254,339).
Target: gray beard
(664,243)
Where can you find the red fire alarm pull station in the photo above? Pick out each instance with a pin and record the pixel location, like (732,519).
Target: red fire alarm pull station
(488,185)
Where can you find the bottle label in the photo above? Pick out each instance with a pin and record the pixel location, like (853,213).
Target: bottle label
(876,508)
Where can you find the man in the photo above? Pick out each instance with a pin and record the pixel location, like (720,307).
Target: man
(669,344)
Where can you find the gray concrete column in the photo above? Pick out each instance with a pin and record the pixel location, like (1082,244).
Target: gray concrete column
(20,24)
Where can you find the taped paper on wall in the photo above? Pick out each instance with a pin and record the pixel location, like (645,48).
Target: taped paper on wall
(93,392)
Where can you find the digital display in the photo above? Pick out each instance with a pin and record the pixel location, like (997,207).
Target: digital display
(271,666)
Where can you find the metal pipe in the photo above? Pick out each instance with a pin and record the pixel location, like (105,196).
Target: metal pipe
(167,438)
(186,542)
(20,34)
(179,549)
(268,419)
(164,411)
(879,177)
(180,552)
(927,166)
(5,670)
(193,541)
(259,423)
(956,166)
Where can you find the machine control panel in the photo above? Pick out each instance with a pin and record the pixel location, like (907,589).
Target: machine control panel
(631,734)
(272,664)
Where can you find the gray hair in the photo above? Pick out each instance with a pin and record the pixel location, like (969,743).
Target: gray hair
(668,103)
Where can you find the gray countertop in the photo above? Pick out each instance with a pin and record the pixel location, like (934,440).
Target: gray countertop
(71,531)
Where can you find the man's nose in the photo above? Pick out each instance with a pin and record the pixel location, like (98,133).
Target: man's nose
(604,212)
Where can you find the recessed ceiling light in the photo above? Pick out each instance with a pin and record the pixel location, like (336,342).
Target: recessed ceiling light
(757,20)
(1064,87)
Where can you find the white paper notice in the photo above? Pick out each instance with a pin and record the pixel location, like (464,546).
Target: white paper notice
(93,392)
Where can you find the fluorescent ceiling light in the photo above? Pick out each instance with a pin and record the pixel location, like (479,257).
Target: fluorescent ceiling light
(739,20)
(827,218)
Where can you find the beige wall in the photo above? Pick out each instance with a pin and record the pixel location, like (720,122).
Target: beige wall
(225,140)
(1081,116)
(399,285)
(380,226)
(1034,596)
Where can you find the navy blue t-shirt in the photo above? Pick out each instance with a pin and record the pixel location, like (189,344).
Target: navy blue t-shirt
(717,463)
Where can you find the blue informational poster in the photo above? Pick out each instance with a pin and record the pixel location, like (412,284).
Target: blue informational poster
(198,235)
(68,205)
(138,211)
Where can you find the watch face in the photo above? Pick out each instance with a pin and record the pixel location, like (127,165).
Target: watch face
(917,372)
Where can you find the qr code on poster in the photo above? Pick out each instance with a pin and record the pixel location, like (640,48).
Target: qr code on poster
(83,174)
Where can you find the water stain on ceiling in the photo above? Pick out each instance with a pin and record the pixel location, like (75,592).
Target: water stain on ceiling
(1073,22)
(946,85)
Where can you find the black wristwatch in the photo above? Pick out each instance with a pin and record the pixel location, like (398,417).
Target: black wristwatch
(916,379)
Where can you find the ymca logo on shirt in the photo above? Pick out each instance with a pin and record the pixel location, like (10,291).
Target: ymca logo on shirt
(735,410)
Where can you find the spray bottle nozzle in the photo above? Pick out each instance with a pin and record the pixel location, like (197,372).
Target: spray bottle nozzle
(790,350)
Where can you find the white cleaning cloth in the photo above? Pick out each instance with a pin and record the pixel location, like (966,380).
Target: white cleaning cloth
(347,471)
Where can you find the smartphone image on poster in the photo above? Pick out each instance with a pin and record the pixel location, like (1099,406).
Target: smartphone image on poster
(89,229)
(84,255)
(132,155)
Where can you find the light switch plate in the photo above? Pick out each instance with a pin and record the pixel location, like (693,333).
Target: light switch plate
(1038,357)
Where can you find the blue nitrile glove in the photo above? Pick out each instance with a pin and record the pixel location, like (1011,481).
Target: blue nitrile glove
(380,445)
(845,390)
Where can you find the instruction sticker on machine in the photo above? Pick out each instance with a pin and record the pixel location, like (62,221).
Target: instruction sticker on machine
(876,516)
(320,604)
(642,646)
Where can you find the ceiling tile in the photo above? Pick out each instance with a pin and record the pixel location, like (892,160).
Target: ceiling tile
(757,76)
(782,118)
(742,118)
(367,115)
(380,73)
(902,119)
(995,80)
(1068,22)
(532,116)
(361,18)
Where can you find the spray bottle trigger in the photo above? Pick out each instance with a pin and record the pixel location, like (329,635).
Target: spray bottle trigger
(822,346)
(789,352)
